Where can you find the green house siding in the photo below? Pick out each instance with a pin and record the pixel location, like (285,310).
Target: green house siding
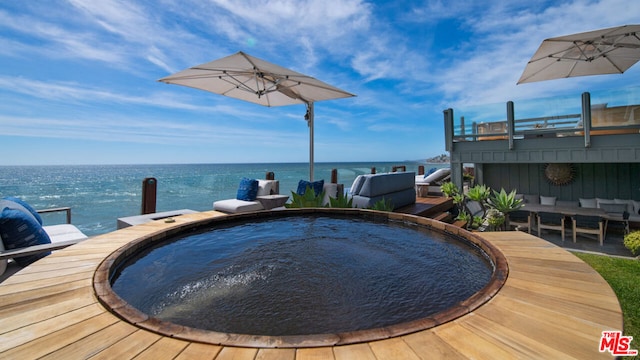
(602,180)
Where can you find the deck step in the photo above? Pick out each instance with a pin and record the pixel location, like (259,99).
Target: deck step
(459,223)
(443,216)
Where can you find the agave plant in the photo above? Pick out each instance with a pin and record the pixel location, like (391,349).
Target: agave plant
(479,193)
(449,189)
(341,202)
(309,199)
(503,202)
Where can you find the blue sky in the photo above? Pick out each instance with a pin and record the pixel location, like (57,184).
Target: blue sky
(78,78)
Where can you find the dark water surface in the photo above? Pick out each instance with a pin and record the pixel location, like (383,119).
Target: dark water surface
(303,275)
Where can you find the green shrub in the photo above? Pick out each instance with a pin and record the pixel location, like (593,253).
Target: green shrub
(632,242)
(308,200)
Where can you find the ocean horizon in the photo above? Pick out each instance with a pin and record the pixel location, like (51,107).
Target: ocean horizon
(100,194)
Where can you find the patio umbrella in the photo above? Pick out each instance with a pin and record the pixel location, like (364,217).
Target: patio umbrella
(606,51)
(245,77)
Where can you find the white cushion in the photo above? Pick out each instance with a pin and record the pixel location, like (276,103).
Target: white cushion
(548,200)
(236,206)
(588,203)
(613,208)
(629,204)
(63,232)
(600,201)
(264,187)
(330,190)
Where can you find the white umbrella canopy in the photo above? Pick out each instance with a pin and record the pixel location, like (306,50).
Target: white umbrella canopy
(248,78)
(606,51)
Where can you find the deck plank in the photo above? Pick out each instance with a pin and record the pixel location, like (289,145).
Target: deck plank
(394,348)
(165,348)
(428,345)
(236,353)
(56,340)
(129,347)
(94,343)
(323,353)
(355,351)
(276,354)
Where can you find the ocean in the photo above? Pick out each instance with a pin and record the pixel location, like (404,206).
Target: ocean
(100,194)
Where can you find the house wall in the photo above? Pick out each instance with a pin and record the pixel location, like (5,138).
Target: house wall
(603,180)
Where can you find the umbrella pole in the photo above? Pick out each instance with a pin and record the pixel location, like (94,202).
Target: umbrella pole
(310,123)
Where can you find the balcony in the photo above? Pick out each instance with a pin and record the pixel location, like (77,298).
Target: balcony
(609,113)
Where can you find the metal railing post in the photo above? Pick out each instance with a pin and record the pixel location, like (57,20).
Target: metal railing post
(510,123)
(586,118)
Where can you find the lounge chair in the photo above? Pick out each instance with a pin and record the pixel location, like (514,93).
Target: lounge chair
(550,221)
(587,224)
(24,240)
(435,177)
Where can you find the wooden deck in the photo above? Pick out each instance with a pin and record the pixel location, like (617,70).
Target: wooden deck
(552,306)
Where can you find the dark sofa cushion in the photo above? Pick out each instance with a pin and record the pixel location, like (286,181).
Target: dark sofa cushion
(18,230)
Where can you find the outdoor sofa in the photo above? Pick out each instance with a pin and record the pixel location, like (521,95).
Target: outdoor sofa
(253,195)
(395,187)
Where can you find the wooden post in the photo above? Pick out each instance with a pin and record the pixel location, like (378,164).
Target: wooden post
(149,191)
(420,169)
(270,175)
(334,176)
(373,170)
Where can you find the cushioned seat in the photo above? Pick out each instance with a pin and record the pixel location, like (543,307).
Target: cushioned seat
(237,206)
(64,232)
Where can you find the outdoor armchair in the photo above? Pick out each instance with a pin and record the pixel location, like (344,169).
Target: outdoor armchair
(520,219)
(588,224)
(550,221)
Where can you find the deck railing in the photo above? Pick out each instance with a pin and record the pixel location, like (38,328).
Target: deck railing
(599,119)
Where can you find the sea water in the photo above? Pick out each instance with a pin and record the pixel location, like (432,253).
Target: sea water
(100,194)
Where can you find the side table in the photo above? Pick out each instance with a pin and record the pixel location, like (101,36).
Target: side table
(272,201)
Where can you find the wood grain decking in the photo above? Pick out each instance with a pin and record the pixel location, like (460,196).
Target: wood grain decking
(552,306)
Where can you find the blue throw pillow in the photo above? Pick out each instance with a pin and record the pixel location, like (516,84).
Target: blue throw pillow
(317,186)
(18,230)
(25,206)
(248,189)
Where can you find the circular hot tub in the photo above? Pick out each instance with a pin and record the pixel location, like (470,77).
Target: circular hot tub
(283,277)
